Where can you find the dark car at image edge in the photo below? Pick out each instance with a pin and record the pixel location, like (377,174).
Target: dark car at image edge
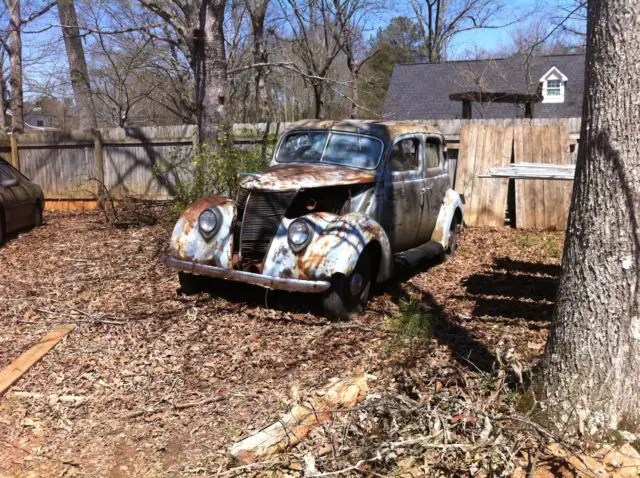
(21,201)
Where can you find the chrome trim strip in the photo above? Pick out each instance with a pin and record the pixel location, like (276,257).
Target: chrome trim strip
(295,285)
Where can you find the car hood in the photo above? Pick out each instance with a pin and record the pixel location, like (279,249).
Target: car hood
(287,177)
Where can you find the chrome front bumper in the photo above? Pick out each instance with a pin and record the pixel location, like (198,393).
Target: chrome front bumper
(294,285)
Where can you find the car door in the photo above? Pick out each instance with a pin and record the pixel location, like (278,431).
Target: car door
(435,186)
(399,199)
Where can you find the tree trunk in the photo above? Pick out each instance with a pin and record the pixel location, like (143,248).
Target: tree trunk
(78,70)
(15,58)
(3,96)
(257,11)
(210,71)
(318,100)
(591,368)
(353,73)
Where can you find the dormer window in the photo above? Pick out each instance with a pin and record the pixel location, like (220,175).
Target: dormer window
(553,83)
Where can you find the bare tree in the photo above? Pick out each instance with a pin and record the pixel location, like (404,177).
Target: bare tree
(442,20)
(258,11)
(198,25)
(78,70)
(591,369)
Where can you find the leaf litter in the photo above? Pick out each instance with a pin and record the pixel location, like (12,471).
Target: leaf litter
(152,383)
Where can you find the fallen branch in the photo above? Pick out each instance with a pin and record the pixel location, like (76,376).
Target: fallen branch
(294,427)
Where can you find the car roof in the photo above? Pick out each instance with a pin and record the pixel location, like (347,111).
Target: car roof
(385,130)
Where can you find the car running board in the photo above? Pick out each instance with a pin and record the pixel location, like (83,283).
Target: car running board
(415,256)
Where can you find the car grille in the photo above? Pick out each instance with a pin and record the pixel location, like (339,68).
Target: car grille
(241,203)
(262,216)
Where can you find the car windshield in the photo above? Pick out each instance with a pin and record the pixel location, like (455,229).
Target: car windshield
(346,149)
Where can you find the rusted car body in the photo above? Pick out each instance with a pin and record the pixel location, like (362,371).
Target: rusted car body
(21,201)
(339,202)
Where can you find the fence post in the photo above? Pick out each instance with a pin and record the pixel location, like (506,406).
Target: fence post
(98,159)
(15,155)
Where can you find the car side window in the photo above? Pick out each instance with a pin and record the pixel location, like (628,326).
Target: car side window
(5,172)
(405,155)
(432,153)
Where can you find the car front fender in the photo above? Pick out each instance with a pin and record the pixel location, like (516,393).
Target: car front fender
(452,207)
(188,244)
(335,247)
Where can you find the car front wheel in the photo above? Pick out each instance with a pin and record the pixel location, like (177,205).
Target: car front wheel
(191,284)
(37,216)
(348,295)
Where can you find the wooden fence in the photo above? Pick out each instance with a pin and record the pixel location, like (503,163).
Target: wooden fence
(539,204)
(69,165)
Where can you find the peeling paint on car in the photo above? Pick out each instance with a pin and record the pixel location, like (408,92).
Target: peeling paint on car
(188,243)
(335,248)
(451,205)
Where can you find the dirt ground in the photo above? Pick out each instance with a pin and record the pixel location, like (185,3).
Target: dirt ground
(168,383)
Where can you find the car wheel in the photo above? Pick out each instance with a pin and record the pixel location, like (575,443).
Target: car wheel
(191,284)
(349,295)
(37,216)
(2,228)
(454,229)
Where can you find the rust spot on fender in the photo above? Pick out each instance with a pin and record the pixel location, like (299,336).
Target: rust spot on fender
(194,210)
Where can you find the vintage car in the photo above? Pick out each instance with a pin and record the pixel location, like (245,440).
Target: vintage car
(340,202)
(21,201)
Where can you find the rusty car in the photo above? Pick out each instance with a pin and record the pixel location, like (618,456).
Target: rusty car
(339,205)
(21,201)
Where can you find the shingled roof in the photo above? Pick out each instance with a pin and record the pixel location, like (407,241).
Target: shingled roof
(422,90)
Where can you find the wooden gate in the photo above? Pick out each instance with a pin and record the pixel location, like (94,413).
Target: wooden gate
(483,146)
(540,204)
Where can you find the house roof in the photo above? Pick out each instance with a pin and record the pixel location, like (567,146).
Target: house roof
(423,90)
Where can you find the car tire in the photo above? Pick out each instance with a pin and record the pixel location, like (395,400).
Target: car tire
(454,230)
(3,229)
(37,216)
(191,284)
(348,295)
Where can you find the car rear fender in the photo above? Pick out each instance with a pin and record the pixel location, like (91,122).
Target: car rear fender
(452,207)
(335,248)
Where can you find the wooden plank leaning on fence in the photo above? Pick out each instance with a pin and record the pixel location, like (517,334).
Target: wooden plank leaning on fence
(483,146)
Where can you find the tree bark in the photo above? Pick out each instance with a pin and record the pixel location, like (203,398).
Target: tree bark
(318,99)
(257,11)
(210,69)
(78,70)
(3,96)
(15,59)
(353,73)
(590,379)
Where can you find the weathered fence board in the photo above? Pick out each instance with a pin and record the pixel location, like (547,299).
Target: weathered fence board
(483,146)
(542,204)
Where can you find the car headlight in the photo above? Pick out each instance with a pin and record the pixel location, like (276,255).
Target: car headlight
(299,234)
(209,222)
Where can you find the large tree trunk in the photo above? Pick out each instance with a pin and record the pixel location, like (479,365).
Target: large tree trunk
(210,71)
(77,64)
(257,11)
(591,368)
(15,58)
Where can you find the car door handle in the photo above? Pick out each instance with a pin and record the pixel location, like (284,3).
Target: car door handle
(424,190)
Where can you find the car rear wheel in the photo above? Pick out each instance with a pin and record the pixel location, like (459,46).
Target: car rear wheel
(37,216)
(454,229)
(191,284)
(2,228)
(348,295)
